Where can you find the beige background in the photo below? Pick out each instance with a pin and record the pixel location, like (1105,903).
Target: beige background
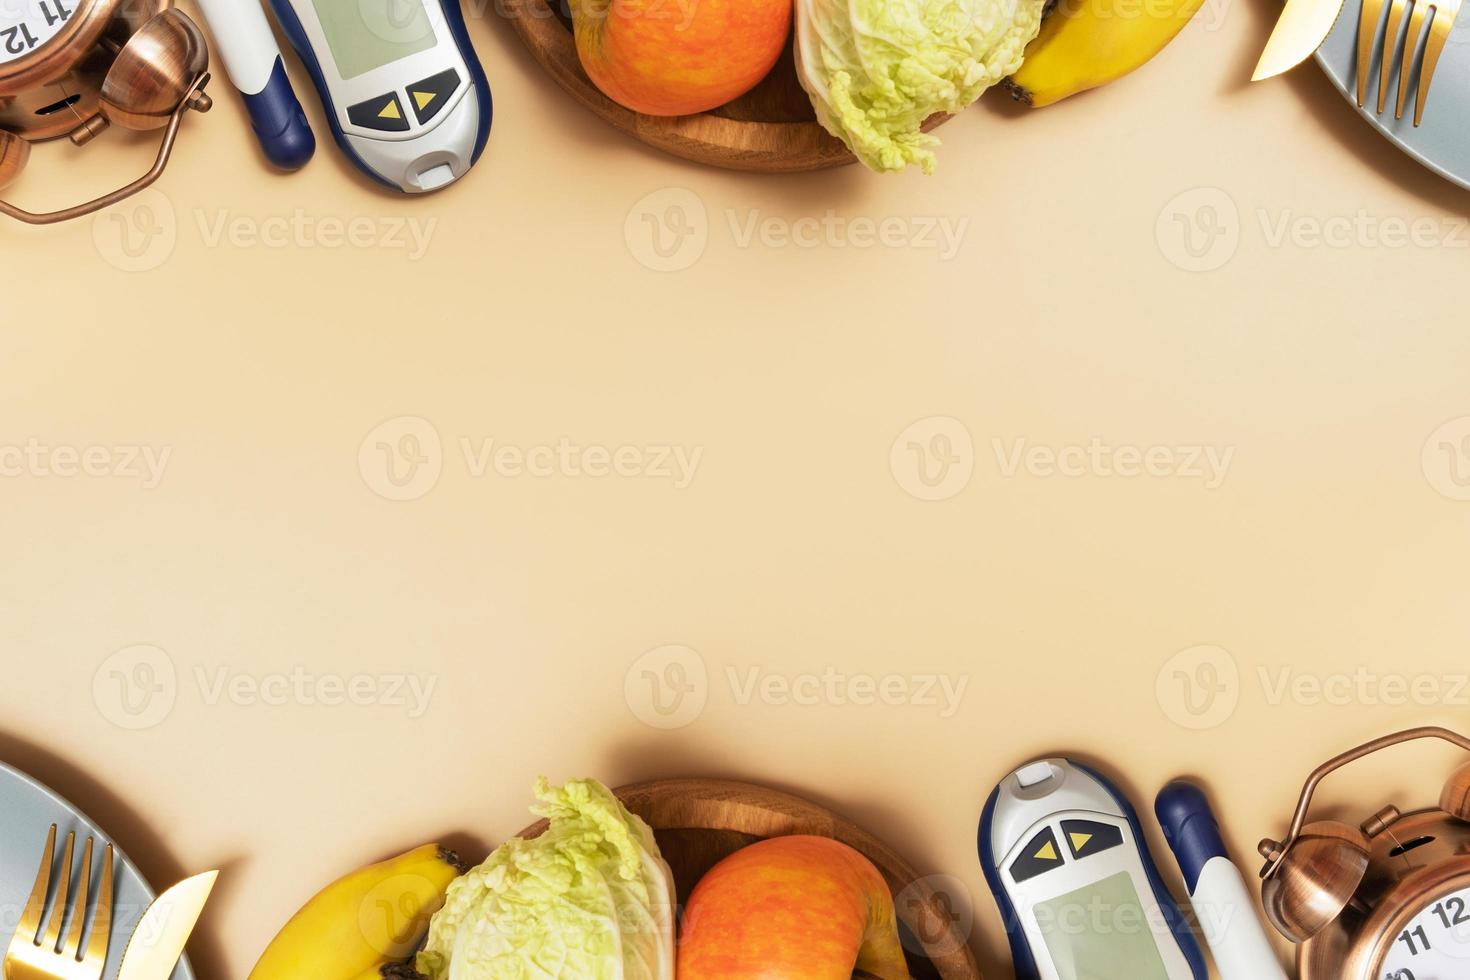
(263,368)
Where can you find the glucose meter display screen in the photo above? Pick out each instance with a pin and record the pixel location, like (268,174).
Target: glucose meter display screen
(1101,933)
(368,34)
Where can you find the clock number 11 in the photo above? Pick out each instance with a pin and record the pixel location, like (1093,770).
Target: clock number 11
(20,38)
(1416,939)
(1451,912)
(55,12)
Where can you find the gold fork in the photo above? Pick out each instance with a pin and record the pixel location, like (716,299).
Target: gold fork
(1439,14)
(33,956)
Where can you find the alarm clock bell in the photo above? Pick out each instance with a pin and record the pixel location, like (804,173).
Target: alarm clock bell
(14,154)
(1387,900)
(111,66)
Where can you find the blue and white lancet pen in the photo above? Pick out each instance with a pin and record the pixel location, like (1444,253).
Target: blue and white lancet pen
(245,43)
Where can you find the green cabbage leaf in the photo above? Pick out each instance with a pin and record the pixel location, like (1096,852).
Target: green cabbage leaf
(876,70)
(589,898)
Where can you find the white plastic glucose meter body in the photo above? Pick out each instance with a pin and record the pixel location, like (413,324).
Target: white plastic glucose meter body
(1065,856)
(402,87)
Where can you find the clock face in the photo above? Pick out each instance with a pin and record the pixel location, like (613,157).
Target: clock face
(1435,945)
(29,25)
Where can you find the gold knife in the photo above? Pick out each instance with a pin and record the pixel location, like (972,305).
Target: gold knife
(1303,26)
(158,942)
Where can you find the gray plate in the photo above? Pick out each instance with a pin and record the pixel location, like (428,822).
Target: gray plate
(1442,142)
(27,810)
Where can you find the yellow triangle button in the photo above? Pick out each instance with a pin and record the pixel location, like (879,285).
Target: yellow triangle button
(424,98)
(1048,852)
(391,111)
(1079,841)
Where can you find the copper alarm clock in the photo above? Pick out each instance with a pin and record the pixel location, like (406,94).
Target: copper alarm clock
(1386,900)
(75,67)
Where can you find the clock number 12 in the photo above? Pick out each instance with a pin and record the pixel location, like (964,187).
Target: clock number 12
(18,39)
(21,38)
(1452,912)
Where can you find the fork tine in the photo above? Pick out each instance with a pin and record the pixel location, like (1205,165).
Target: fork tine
(63,896)
(102,920)
(1445,13)
(1423,9)
(1396,12)
(79,917)
(1367,33)
(30,921)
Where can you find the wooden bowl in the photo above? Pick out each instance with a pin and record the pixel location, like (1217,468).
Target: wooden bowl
(698,822)
(770,129)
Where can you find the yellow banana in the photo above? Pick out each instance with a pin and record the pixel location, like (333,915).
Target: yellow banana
(370,919)
(1087,43)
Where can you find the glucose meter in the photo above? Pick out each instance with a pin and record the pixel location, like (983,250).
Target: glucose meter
(1082,899)
(405,94)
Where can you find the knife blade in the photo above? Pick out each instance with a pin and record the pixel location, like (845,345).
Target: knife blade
(158,942)
(1303,26)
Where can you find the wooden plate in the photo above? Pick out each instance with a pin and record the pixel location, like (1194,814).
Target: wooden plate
(698,822)
(770,129)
